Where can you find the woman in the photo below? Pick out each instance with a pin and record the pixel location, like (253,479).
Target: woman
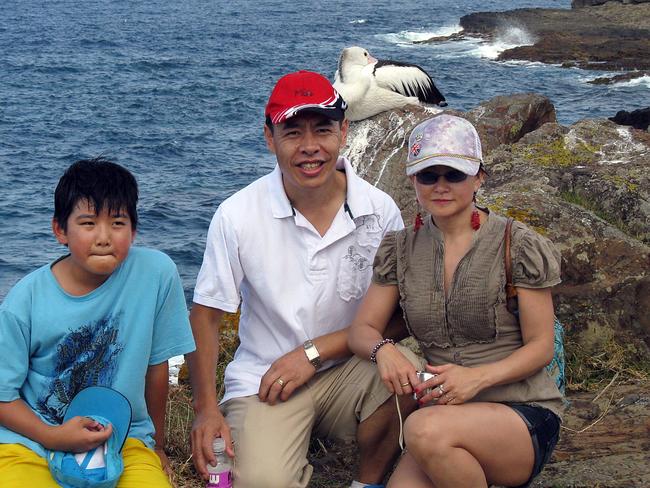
(491,413)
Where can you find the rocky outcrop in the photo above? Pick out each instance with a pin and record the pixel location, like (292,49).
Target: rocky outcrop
(639,119)
(594,3)
(609,80)
(585,186)
(609,37)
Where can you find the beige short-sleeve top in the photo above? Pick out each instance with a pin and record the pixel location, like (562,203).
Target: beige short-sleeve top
(470,326)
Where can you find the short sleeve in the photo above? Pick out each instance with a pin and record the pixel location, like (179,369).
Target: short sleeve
(385,264)
(172,333)
(14,349)
(217,285)
(536,261)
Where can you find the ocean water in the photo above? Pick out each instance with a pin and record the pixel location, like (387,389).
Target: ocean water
(175,91)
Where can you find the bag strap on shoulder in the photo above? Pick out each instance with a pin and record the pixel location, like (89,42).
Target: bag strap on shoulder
(511,292)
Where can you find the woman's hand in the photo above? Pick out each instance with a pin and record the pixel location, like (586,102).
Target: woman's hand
(395,370)
(452,385)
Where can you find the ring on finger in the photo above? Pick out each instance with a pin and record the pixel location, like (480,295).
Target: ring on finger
(441,389)
(408,383)
(280,382)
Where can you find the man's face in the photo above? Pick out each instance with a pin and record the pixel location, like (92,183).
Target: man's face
(307,147)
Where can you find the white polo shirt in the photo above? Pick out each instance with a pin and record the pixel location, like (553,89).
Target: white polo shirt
(293,283)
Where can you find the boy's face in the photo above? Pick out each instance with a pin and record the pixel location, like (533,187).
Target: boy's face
(98,243)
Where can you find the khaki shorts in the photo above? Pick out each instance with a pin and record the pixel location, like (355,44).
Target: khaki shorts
(271,442)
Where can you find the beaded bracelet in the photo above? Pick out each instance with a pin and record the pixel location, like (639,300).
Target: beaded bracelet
(383,342)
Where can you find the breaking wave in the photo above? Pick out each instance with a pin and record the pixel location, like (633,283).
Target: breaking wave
(409,37)
(508,38)
(641,81)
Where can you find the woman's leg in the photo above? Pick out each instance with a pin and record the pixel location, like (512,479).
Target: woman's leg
(474,444)
(408,474)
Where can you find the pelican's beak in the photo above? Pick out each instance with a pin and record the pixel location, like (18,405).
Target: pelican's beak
(371,60)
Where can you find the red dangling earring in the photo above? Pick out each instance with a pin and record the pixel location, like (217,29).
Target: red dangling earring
(476,220)
(418,221)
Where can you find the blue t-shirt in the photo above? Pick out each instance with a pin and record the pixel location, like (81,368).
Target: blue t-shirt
(53,344)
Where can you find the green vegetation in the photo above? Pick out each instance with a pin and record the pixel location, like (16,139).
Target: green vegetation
(514,130)
(592,367)
(526,215)
(556,154)
(587,203)
(621,182)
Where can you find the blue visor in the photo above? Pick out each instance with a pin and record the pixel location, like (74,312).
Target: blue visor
(103,466)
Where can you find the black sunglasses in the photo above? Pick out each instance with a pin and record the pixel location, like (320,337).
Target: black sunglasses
(431,178)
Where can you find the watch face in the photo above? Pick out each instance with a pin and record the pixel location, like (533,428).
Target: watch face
(312,354)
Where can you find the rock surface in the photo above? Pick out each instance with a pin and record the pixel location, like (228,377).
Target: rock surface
(613,36)
(639,119)
(604,443)
(593,3)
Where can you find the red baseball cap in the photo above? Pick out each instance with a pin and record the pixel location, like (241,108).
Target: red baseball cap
(304,91)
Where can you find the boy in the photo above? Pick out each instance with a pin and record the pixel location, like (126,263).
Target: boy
(106,314)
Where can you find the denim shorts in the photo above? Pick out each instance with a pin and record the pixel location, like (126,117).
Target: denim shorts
(544,428)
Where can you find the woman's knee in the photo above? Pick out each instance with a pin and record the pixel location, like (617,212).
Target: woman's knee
(424,433)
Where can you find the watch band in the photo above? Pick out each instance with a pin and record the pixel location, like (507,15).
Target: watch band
(312,354)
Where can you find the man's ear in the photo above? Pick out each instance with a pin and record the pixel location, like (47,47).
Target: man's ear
(59,233)
(345,125)
(268,136)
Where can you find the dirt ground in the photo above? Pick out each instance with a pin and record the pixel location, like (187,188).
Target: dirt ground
(604,443)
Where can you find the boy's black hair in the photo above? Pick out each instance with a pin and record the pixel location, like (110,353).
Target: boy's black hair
(102,183)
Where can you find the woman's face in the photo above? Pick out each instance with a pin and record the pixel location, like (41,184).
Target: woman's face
(446,197)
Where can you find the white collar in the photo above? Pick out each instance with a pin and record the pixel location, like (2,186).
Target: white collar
(357,198)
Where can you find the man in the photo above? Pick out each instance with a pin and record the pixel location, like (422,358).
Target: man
(296,249)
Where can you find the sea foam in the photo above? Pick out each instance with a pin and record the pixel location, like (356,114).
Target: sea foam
(508,38)
(640,81)
(407,38)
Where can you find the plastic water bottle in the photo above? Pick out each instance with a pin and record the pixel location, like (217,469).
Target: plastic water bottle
(220,476)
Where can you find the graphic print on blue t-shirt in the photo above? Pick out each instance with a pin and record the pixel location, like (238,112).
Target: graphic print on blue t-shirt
(85,357)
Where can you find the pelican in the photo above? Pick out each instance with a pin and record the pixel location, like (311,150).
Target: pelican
(370,86)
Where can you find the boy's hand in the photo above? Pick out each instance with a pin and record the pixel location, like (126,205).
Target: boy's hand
(79,434)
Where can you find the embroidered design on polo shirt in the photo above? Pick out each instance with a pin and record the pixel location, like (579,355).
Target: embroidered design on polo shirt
(358,261)
(369,230)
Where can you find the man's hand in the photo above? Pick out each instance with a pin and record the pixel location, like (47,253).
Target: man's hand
(164,461)
(79,434)
(206,426)
(294,369)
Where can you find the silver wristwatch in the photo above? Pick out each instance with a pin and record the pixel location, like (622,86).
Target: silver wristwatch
(312,354)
